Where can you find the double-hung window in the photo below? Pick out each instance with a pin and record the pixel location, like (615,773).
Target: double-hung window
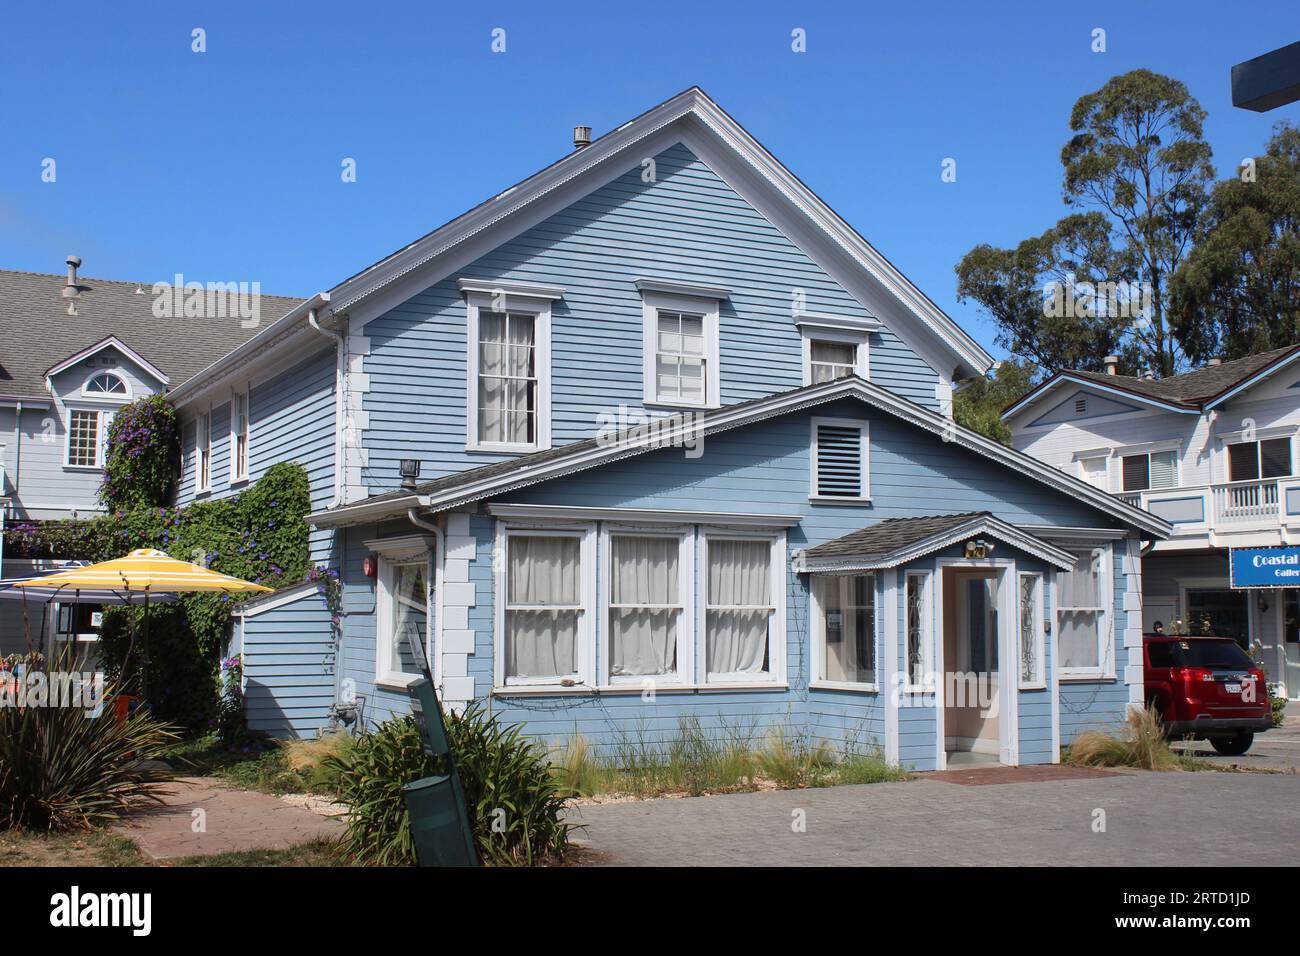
(1030,594)
(681,348)
(648,618)
(545,620)
(740,576)
(1150,470)
(830,360)
(203,453)
(239,437)
(508,386)
(1082,636)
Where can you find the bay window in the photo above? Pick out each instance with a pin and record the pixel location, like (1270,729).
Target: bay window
(1083,639)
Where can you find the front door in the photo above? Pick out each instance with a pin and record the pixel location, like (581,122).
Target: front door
(977,725)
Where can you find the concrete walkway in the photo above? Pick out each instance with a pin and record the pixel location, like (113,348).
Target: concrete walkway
(201,817)
(1151,819)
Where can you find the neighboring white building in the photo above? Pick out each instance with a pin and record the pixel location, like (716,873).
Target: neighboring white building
(1213,452)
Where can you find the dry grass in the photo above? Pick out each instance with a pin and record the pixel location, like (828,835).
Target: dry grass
(1142,745)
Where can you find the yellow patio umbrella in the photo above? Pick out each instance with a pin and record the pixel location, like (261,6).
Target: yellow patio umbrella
(143,570)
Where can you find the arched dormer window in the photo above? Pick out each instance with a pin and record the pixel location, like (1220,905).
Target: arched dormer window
(106,385)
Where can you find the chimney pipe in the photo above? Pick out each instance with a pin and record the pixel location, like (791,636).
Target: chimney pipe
(70,290)
(74,262)
(581,137)
(1112,364)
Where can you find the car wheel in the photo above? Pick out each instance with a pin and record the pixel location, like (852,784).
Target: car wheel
(1233,746)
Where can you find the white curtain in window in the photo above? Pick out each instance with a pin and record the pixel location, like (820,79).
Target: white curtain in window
(645,606)
(507,381)
(739,606)
(1079,601)
(543,605)
(410,599)
(831,360)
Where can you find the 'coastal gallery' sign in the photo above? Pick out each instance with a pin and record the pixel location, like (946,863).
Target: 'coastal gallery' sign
(1265,567)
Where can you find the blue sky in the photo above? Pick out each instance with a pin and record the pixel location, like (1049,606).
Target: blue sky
(225,165)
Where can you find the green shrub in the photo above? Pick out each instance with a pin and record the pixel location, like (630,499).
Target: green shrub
(1277,706)
(514,805)
(62,770)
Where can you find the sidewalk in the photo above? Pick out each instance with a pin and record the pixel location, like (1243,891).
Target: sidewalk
(229,820)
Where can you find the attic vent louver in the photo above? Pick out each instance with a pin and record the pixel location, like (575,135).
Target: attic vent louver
(1080,406)
(840,463)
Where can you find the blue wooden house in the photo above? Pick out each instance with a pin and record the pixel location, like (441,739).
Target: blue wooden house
(685,449)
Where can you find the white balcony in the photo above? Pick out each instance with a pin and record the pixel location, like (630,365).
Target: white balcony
(1232,514)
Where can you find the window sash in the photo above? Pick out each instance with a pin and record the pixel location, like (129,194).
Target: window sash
(681,345)
(403,611)
(645,630)
(828,361)
(851,599)
(1030,594)
(919,623)
(528,606)
(239,449)
(508,381)
(738,608)
(1081,613)
(85,438)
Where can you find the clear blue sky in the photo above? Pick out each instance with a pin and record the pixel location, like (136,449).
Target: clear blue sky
(225,165)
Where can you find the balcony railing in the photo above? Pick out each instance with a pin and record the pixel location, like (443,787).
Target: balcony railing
(1229,506)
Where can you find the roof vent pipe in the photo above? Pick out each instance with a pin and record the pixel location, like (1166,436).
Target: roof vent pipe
(581,136)
(1112,364)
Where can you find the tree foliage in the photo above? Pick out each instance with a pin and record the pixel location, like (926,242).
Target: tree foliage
(1238,291)
(980,403)
(1135,175)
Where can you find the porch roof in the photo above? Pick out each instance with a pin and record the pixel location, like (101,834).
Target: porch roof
(895,541)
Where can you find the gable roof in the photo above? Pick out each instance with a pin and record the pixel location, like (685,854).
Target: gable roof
(895,541)
(477,484)
(39,336)
(112,342)
(1195,391)
(923,320)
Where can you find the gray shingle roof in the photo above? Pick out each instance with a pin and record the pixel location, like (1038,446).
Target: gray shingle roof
(892,535)
(1196,387)
(36,332)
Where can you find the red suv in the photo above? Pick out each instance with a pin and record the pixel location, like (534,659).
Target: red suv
(1206,688)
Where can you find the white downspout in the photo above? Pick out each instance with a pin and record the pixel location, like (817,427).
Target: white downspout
(340,403)
(435,638)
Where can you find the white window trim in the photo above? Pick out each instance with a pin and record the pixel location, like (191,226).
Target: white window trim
(203,452)
(651,303)
(1105,669)
(398,555)
(1039,680)
(102,396)
(860,340)
(586,653)
(818,634)
(776,637)
(236,397)
(1148,449)
(864,428)
(103,416)
(927,633)
(540,309)
(686,571)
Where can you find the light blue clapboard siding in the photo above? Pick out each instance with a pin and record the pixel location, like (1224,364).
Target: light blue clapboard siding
(688,225)
(291,419)
(1100,705)
(289,667)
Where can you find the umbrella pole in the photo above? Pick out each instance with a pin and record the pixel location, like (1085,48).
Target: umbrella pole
(144,672)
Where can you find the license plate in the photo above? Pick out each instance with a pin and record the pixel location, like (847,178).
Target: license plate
(1232,688)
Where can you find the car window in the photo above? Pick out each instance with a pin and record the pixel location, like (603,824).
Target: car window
(1161,654)
(1210,654)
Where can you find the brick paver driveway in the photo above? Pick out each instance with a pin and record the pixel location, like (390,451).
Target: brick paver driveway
(1231,818)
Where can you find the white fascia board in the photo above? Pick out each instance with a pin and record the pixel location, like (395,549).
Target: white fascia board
(701,114)
(725,419)
(990,527)
(246,359)
(1261,375)
(269,602)
(111,342)
(1065,378)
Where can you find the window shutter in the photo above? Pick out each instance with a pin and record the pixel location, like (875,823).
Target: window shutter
(840,462)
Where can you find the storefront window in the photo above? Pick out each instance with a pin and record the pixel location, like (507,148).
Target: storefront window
(1219,614)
